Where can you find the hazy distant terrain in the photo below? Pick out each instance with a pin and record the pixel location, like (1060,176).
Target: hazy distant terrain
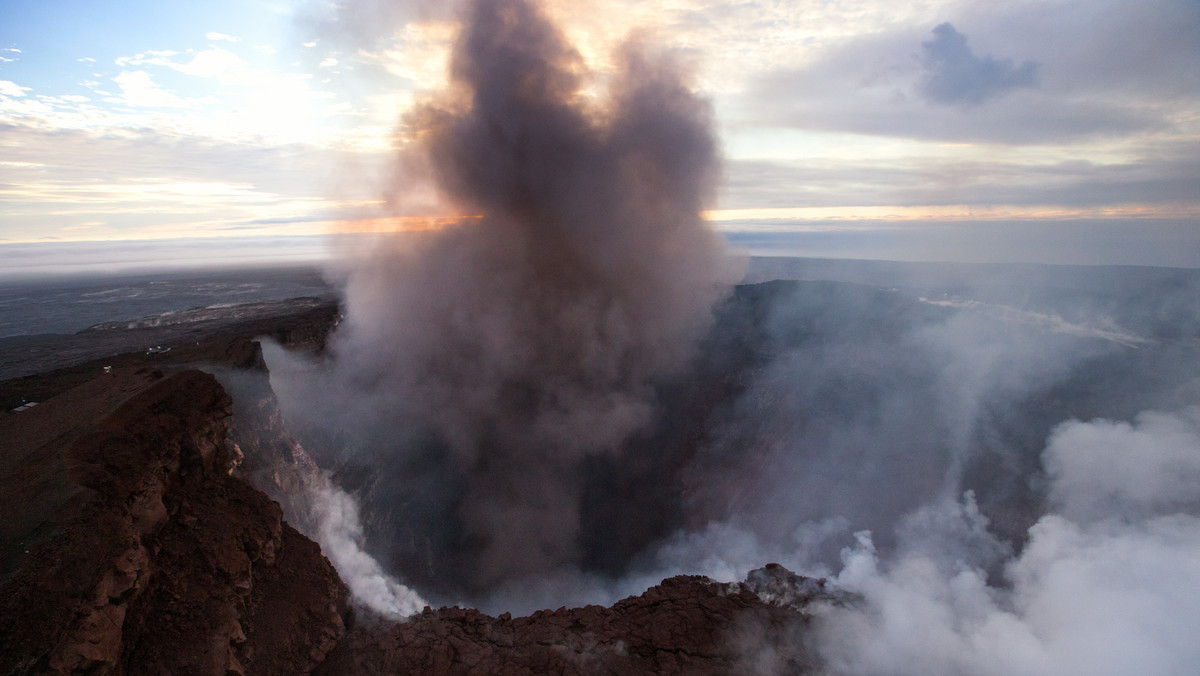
(55,322)
(1145,302)
(66,304)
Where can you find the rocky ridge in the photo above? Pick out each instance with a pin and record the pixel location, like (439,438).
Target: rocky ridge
(685,625)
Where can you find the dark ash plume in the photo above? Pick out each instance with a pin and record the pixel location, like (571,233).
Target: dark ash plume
(530,336)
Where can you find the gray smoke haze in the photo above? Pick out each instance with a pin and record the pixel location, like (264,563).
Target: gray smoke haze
(873,404)
(528,337)
(336,524)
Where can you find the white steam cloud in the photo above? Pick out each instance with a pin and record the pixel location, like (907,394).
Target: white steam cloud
(1109,582)
(338,529)
(1105,469)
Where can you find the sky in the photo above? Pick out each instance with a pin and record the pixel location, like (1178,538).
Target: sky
(1047,131)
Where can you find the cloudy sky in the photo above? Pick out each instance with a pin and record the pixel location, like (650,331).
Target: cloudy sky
(1042,130)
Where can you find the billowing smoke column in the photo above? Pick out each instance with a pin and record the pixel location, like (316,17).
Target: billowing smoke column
(530,336)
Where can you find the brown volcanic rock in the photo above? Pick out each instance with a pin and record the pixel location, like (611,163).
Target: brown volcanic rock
(166,564)
(36,493)
(686,625)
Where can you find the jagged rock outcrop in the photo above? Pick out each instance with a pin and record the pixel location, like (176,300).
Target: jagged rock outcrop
(168,564)
(686,625)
